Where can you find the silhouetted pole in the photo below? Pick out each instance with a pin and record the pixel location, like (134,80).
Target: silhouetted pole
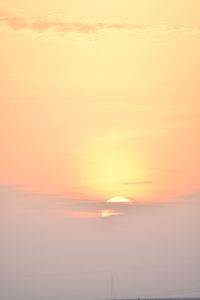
(112,290)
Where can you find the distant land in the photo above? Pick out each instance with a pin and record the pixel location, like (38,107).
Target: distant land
(158,298)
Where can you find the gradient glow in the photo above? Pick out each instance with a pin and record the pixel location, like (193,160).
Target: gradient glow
(100,99)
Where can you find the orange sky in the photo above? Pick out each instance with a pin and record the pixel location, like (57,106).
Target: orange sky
(100,98)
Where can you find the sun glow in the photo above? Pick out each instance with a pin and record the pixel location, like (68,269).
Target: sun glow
(109,213)
(118,199)
(110,166)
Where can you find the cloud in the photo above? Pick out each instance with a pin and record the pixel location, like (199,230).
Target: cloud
(62,26)
(137,182)
(19,22)
(192,197)
(17,202)
(165,169)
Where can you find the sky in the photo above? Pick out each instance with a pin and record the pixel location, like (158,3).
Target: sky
(98,100)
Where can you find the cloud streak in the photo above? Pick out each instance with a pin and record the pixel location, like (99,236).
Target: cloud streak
(137,182)
(19,22)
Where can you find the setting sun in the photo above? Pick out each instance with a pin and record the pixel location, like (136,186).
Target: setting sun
(118,199)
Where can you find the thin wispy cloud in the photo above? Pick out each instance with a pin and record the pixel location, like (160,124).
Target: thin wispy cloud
(19,22)
(137,182)
(164,169)
(16,201)
(192,196)
(41,25)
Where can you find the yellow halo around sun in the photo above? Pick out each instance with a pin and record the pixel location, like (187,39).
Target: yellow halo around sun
(118,199)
